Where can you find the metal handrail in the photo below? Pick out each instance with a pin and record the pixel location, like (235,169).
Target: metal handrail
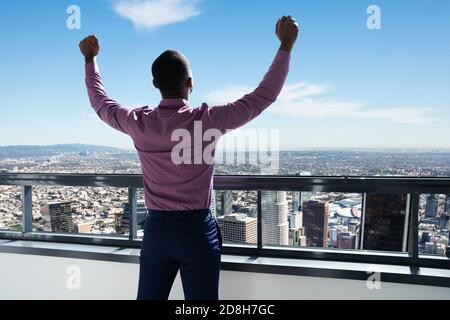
(247,182)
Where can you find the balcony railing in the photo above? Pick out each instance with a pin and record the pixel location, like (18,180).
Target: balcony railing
(411,186)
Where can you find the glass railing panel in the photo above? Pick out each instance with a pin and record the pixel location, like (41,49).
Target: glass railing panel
(10,208)
(84,210)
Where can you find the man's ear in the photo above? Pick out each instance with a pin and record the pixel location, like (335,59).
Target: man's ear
(190,82)
(155,84)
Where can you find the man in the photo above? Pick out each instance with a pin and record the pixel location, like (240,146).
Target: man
(180,232)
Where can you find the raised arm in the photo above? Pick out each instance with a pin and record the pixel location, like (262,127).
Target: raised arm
(238,113)
(106,108)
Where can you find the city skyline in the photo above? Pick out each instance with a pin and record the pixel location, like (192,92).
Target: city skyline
(349,221)
(349,87)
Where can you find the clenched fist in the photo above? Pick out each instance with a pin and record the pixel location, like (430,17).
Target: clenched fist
(287,31)
(89,48)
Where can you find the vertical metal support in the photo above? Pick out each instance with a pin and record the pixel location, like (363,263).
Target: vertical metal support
(363,222)
(132,208)
(413,238)
(259,222)
(27,206)
(406,223)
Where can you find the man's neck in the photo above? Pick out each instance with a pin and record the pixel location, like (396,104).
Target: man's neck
(176,96)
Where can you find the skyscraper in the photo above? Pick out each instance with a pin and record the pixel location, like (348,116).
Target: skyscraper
(444,220)
(297,237)
(296,201)
(223,202)
(237,228)
(431,206)
(447,204)
(275,228)
(315,222)
(295,219)
(384,222)
(122,220)
(57,217)
(304,195)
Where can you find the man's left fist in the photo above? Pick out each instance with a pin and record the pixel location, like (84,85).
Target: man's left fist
(89,48)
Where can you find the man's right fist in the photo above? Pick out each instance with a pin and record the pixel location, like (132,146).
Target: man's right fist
(89,48)
(287,31)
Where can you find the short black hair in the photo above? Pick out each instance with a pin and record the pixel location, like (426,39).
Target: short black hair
(170,71)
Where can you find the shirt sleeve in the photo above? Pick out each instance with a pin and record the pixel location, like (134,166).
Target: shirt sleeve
(236,114)
(106,108)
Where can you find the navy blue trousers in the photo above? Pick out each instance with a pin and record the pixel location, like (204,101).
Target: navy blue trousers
(189,241)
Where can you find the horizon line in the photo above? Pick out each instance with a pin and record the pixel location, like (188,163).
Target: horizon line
(241,150)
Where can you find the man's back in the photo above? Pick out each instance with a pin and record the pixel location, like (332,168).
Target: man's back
(174,179)
(176,142)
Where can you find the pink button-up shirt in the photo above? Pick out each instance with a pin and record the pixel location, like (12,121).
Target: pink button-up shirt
(169,184)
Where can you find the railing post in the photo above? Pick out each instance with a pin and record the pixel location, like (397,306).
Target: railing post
(413,239)
(363,222)
(27,206)
(259,242)
(132,208)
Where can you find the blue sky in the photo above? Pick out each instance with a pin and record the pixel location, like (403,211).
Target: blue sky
(348,86)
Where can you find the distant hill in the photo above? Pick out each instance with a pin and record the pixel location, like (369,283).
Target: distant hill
(50,150)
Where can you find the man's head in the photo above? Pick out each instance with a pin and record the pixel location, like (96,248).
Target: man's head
(172,75)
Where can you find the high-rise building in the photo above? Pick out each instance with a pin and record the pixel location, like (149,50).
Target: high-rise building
(275,228)
(431,206)
(353,226)
(122,219)
(437,245)
(57,217)
(296,201)
(332,236)
(238,228)
(297,237)
(425,237)
(295,219)
(430,248)
(346,240)
(315,222)
(223,202)
(445,217)
(444,221)
(226,203)
(118,222)
(212,207)
(447,204)
(304,195)
(384,222)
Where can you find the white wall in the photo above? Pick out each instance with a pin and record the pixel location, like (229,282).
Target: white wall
(40,277)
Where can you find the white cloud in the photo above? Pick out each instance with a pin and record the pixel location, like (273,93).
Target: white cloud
(227,93)
(89,115)
(317,101)
(150,14)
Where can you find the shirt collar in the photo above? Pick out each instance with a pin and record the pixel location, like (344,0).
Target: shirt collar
(174,102)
